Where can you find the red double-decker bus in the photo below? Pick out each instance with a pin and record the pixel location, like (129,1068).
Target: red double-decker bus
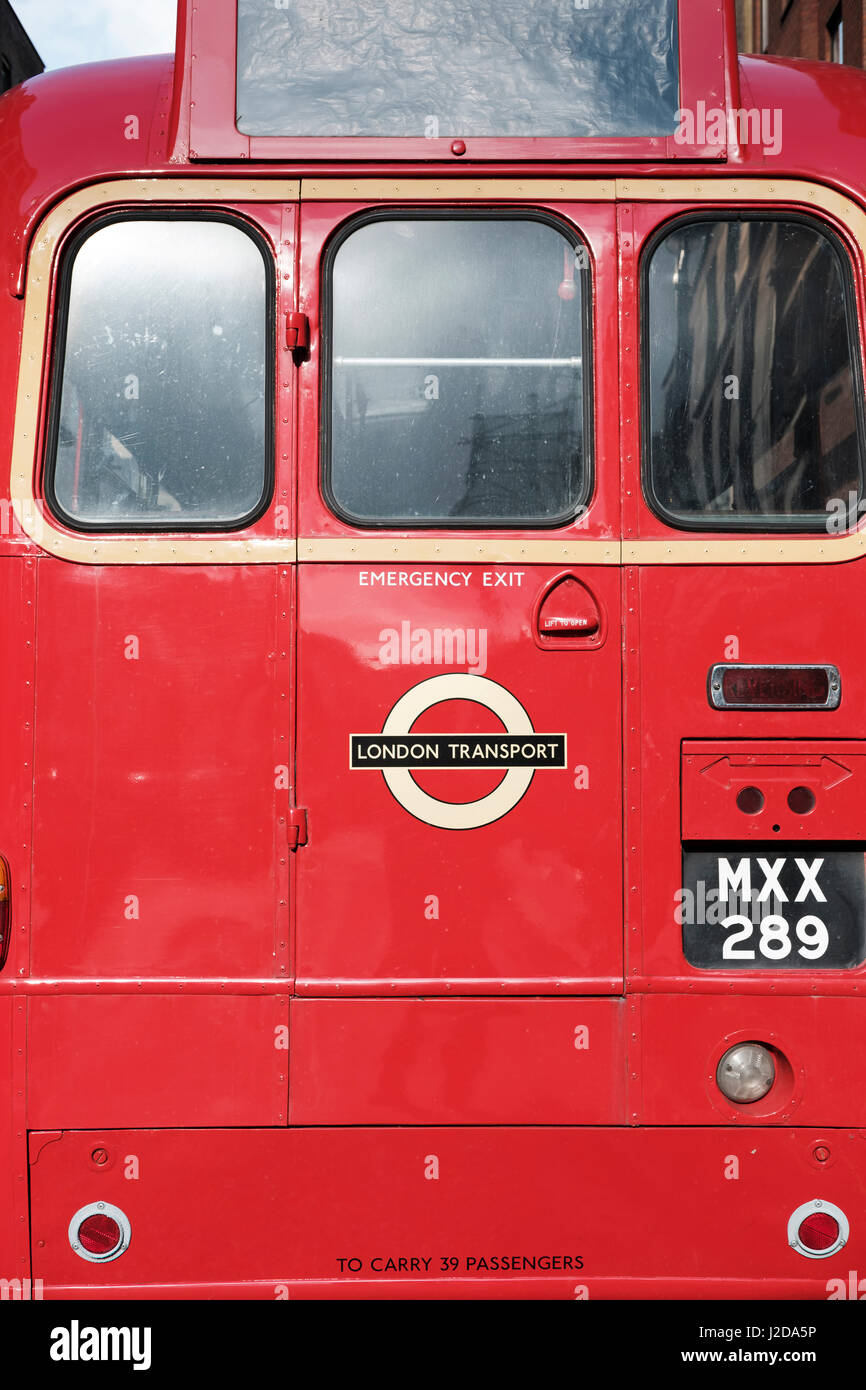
(433,694)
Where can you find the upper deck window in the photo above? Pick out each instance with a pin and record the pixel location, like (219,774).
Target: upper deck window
(471,68)
(161,414)
(457,390)
(752,400)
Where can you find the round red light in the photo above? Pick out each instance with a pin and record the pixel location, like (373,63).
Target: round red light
(819,1231)
(99,1234)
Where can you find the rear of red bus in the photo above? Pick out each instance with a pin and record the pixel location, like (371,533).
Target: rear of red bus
(434,692)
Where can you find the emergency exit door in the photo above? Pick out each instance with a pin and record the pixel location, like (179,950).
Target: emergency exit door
(459,663)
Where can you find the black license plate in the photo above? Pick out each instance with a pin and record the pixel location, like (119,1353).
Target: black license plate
(774,907)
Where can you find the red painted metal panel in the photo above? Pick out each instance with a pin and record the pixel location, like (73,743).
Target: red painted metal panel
(821,1074)
(714,774)
(17,695)
(761,609)
(625,1204)
(156,776)
(14,1211)
(206,66)
(504,1287)
(9,1239)
(387,900)
(18,626)
(159,1060)
(498,1061)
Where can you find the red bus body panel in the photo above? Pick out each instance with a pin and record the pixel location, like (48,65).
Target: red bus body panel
(301,1037)
(302,1209)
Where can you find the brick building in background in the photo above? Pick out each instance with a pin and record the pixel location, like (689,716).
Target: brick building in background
(18,58)
(832,30)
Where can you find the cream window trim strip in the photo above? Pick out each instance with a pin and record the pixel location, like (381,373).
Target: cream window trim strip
(32,515)
(725,190)
(457,190)
(793,550)
(726,550)
(460,551)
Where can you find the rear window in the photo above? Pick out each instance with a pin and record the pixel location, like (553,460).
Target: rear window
(752,380)
(161,414)
(438,68)
(458,380)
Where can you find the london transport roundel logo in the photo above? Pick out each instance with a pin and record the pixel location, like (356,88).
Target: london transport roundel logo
(396,751)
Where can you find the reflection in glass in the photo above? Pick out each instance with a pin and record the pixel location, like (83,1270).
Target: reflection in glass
(440,68)
(162,405)
(752,409)
(457,376)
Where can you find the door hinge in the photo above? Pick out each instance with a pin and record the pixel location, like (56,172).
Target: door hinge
(297,827)
(298,335)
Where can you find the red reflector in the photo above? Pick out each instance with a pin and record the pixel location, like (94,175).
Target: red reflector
(819,1231)
(99,1234)
(767,685)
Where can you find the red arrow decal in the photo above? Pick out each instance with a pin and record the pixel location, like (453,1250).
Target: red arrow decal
(735,771)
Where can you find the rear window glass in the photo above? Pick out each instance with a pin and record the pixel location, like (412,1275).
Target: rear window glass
(440,68)
(457,388)
(752,403)
(161,398)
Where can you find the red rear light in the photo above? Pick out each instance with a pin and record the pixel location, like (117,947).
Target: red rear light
(819,1231)
(774,687)
(757,685)
(99,1234)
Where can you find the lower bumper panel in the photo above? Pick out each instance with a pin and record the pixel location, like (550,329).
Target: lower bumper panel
(531,1212)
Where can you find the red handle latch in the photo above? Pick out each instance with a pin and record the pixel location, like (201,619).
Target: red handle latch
(298,335)
(298,829)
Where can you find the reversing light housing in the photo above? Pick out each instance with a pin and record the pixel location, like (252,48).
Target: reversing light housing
(737,686)
(746,1072)
(99,1232)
